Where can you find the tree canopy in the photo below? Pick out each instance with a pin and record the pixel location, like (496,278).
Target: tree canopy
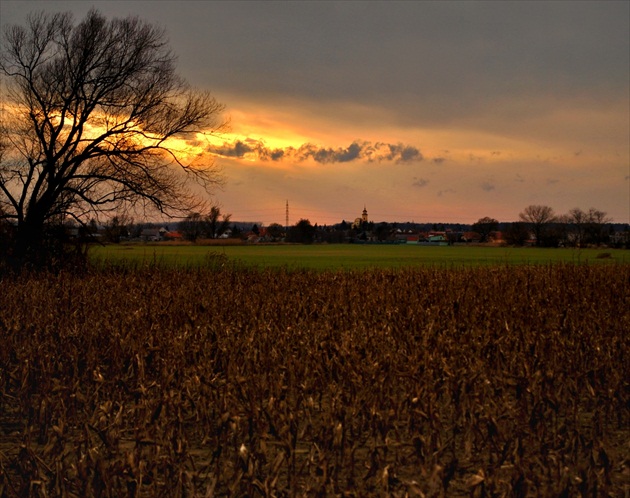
(485,226)
(302,232)
(538,217)
(91,112)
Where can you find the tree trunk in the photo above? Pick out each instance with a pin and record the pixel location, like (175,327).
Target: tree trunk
(28,245)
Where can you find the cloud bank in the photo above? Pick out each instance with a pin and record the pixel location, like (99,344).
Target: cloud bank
(357,150)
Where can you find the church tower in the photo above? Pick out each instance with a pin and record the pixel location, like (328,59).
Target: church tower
(364,216)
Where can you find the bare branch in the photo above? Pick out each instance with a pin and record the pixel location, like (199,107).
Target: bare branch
(91,111)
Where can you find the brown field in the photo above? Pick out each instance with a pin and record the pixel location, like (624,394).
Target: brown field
(486,381)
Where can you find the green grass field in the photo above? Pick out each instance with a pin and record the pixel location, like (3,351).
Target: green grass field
(348,256)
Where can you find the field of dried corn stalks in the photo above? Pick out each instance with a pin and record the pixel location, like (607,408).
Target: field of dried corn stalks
(508,381)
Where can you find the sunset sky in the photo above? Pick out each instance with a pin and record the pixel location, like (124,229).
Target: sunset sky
(419,111)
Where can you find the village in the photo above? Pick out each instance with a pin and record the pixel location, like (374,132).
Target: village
(217,229)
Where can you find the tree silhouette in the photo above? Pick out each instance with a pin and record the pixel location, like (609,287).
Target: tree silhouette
(516,234)
(193,227)
(538,218)
(216,223)
(302,233)
(485,226)
(275,231)
(90,111)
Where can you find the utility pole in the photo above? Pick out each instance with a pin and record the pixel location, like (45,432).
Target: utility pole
(287,217)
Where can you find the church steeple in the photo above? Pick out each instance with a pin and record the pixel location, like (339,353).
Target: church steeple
(364,217)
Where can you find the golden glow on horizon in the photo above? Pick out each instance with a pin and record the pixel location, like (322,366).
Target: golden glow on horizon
(98,125)
(277,131)
(447,145)
(280,128)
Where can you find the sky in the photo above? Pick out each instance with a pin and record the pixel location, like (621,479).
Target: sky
(445,111)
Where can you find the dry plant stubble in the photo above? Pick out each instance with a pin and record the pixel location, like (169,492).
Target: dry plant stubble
(503,381)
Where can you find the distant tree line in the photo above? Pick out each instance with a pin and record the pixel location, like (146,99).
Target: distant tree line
(541,226)
(210,226)
(538,225)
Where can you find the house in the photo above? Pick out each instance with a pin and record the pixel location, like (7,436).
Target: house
(173,236)
(153,234)
(471,237)
(406,236)
(496,237)
(435,239)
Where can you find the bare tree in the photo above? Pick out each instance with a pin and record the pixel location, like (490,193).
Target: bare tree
(211,226)
(596,226)
(117,227)
(91,111)
(538,217)
(485,226)
(588,227)
(193,227)
(578,220)
(217,223)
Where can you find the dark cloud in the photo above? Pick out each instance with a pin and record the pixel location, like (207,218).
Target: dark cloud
(276,155)
(357,150)
(340,155)
(325,52)
(236,149)
(487,186)
(420,182)
(403,153)
(269,154)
